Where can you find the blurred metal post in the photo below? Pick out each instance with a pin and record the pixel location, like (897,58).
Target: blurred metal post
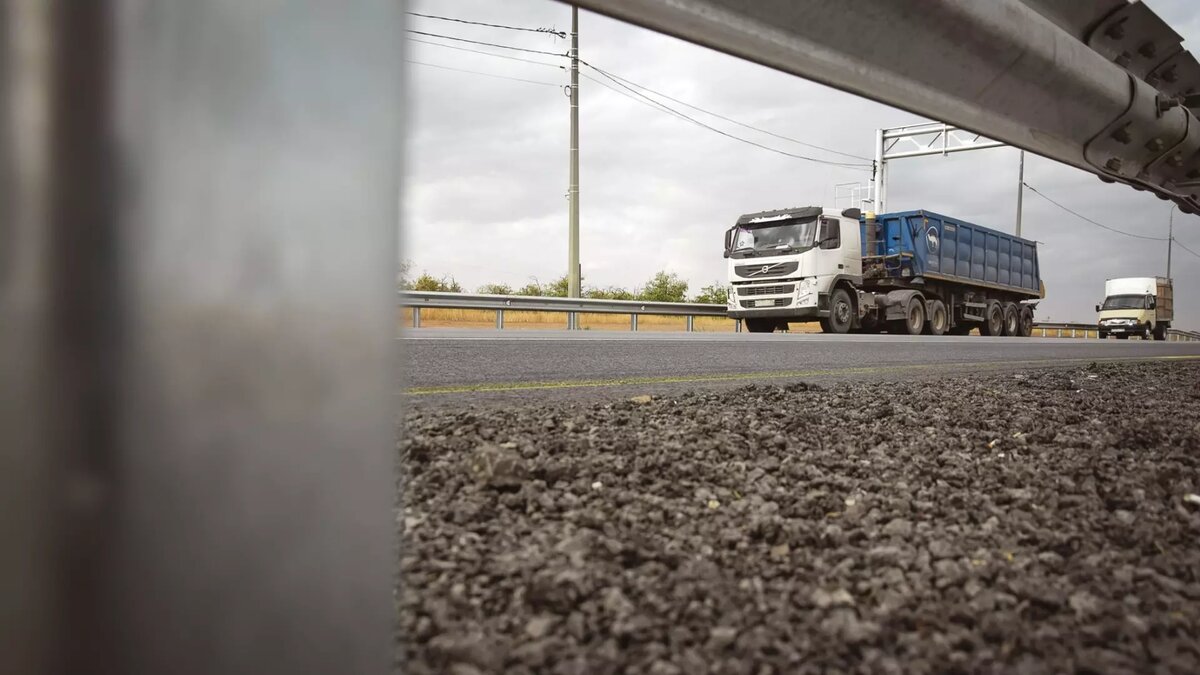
(499,319)
(196,335)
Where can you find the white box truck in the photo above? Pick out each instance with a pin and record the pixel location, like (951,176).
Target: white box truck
(1142,306)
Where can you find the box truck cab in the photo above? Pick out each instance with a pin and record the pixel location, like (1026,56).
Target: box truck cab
(1142,306)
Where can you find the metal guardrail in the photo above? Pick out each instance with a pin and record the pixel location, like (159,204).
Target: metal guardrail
(1089,331)
(572,307)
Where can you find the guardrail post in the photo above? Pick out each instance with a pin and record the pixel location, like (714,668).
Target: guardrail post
(691,324)
(1059,333)
(737,325)
(416,317)
(1072,332)
(633,322)
(499,319)
(572,321)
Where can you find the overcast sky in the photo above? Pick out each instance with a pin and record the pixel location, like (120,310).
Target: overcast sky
(485,193)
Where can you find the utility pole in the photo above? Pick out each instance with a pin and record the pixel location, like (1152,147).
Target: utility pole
(1170,236)
(1020,191)
(573,272)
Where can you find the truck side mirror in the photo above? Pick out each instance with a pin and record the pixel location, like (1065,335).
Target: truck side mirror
(1097,308)
(729,240)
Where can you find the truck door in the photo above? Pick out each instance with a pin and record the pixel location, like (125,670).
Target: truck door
(830,249)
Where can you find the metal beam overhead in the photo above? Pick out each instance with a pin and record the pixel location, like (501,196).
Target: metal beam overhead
(1000,68)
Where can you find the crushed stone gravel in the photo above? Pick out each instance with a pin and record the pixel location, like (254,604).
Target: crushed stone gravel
(1038,522)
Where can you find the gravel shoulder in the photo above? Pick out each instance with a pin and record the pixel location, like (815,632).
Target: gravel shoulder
(1040,521)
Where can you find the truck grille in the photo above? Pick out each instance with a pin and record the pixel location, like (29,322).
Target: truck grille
(783,289)
(755,304)
(761,271)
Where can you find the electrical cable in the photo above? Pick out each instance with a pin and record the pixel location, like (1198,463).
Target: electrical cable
(548,31)
(1082,217)
(480,42)
(476,72)
(693,120)
(480,51)
(727,119)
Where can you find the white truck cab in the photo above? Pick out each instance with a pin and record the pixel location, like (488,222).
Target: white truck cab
(1142,306)
(786,264)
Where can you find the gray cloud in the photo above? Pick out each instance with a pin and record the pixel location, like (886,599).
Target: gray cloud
(487,165)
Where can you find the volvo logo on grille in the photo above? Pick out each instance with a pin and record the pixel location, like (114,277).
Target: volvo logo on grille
(765,268)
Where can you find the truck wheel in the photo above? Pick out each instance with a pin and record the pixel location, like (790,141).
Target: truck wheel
(1026,327)
(1147,333)
(914,318)
(1102,335)
(1160,332)
(993,323)
(939,321)
(1012,319)
(760,325)
(841,313)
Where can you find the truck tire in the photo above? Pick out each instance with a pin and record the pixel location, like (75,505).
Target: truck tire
(761,325)
(1160,332)
(913,322)
(1026,327)
(939,320)
(841,313)
(993,323)
(1102,335)
(1147,333)
(1012,319)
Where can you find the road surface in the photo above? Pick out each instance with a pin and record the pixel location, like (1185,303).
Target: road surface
(445,366)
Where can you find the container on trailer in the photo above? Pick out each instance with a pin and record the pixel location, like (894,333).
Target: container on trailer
(912,244)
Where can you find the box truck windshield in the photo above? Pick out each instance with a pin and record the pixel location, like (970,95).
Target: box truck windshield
(1124,302)
(774,239)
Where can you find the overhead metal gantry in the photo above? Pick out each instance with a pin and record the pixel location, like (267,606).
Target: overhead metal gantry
(1102,85)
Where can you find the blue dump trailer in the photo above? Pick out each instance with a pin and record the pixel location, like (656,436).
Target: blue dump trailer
(907,272)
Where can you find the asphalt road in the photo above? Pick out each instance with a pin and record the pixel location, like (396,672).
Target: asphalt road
(445,366)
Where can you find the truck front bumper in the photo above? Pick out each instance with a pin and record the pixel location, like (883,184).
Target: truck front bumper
(782,313)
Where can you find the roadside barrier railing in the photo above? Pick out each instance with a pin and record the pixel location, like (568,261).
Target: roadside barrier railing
(573,307)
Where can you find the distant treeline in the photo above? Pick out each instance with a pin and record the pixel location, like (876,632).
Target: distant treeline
(662,287)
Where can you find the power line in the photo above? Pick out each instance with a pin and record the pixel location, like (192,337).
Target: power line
(478,42)
(697,122)
(480,51)
(1180,245)
(1082,217)
(549,31)
(729,119)
(476,72)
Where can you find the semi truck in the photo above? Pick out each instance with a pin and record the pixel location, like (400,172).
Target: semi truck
(1142,306)
(908,272)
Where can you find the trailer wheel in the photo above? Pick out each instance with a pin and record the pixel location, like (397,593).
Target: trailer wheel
(914,318)
(993,321)
(1012,319)
(1026,327)
(760,325)
(1160,332)
(939,321)
(841,313)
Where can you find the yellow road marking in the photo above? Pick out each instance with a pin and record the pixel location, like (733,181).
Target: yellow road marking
(728,377)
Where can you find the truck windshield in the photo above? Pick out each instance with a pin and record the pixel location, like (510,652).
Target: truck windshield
(1125,302)
(773,239)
